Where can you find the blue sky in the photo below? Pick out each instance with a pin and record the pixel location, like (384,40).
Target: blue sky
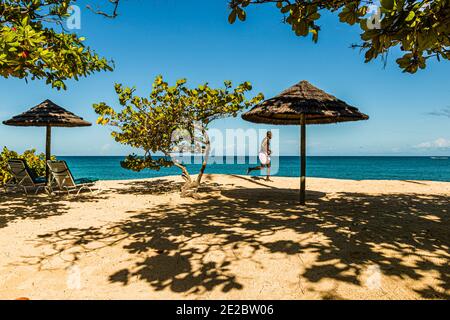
(193,39)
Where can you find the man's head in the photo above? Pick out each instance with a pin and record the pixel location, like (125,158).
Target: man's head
(269,134)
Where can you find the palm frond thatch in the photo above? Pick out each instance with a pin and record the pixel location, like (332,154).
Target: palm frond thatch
(303,98)
(47,114)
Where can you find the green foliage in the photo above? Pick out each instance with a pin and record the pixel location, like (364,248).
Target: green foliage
(35,161)
(419,28)
(31,45)
(147,123)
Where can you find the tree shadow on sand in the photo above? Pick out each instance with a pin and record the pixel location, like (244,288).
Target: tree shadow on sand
(194,247)
(17,206)
(147,187)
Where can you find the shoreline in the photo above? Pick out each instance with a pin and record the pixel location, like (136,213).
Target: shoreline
(174,177)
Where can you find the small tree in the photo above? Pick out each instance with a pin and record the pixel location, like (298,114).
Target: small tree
(159,122)
(35,161)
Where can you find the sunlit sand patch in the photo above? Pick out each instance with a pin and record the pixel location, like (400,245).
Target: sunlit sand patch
(431,217)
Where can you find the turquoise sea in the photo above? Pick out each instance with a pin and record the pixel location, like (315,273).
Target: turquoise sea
(357,168)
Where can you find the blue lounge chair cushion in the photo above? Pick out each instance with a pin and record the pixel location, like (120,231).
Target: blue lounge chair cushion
(85,180)
(39,180)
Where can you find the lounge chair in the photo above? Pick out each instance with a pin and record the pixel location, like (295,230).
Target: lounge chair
(62,178)
(23,177)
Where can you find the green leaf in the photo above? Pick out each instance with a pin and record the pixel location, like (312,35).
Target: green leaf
(232,17)
(241,15)
(387,4)
(410,16)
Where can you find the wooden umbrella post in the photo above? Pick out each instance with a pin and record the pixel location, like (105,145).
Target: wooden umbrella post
(303,159)
(48,143)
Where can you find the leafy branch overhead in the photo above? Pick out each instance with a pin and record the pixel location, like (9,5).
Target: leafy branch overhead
(149,123)
(421,29)
(34,43)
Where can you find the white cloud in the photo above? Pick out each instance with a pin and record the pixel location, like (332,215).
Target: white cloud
(445,112)
(440,143)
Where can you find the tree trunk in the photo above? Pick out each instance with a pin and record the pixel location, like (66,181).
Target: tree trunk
(190,187)
(205,158)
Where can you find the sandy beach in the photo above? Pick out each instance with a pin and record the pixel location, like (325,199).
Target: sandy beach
(242,238)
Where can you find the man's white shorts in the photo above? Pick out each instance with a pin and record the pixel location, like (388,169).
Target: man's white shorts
(264,158)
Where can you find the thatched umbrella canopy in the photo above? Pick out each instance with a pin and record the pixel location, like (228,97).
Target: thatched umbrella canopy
(47,114)
(303,104)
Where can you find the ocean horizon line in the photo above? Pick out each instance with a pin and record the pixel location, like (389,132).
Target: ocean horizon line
(293,156)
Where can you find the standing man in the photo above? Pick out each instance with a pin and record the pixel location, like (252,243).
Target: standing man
(264,156)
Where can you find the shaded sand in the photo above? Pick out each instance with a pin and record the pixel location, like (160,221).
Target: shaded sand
(242,239)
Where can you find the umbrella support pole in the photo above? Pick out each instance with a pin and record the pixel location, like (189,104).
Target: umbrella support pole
(303,159)
(48,143)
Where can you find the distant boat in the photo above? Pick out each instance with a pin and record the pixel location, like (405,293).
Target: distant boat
(439,158)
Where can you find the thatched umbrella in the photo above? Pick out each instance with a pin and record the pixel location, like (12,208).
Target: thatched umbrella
(303,104)
(47,114)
